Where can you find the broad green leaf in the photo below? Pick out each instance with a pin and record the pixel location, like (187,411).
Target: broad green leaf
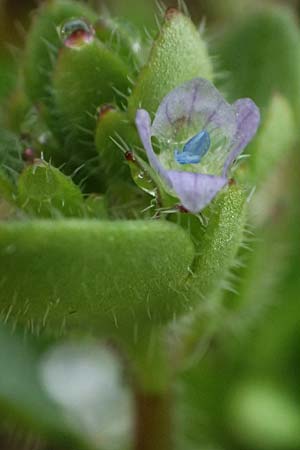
(110,278)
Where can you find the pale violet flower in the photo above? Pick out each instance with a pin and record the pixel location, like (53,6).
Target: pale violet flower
(195,138)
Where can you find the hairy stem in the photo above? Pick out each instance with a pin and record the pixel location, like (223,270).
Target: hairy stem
(153,421)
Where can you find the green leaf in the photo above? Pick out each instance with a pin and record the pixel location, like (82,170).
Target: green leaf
(262,56)
(43,191)
(43,43)
(114,128)
(178,55)
(86,78)
(110,278)
(276,137)
(217,246)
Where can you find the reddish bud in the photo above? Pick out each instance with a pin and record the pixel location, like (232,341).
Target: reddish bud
(28,155)
(104,109)
(129,156)
(182,209)
(170,13)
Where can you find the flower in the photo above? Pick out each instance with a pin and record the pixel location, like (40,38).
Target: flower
(198,136)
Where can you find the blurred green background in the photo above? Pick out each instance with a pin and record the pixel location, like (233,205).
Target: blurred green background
(244,393)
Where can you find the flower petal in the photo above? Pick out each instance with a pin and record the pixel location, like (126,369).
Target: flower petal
(195,190)
(196,104)
(143,123)
(247,118)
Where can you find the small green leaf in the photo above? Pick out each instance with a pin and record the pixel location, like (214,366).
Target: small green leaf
(114,131)
(43,43)
(275,139)
(43,191)
(217,246)
(86,78)
(178,55)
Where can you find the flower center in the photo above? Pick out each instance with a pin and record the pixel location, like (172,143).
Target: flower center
(194,150)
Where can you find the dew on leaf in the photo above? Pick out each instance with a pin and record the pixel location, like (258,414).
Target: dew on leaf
(141,177)
(76,33)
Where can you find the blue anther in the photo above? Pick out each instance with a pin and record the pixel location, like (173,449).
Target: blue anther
(194,149)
